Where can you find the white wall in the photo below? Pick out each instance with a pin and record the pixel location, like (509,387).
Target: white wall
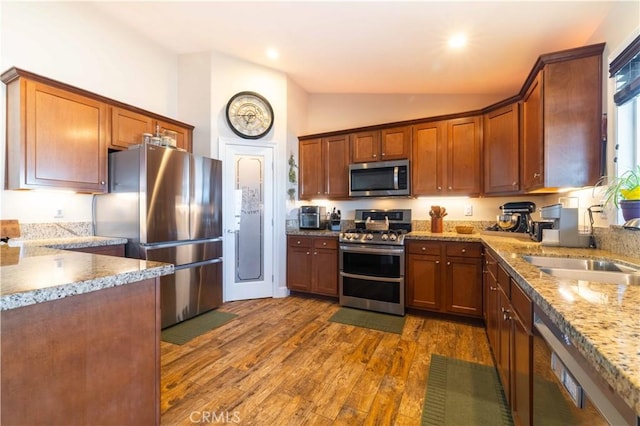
(71,43)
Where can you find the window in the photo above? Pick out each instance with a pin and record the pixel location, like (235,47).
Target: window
(625,69)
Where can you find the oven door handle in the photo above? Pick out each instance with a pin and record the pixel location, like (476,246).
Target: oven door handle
(370,278)
(371,250)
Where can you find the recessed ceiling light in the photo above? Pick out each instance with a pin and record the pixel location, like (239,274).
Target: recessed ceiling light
(272,53)
(457,41)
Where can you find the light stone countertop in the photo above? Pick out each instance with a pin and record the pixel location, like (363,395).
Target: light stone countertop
(602,320)
(43,273)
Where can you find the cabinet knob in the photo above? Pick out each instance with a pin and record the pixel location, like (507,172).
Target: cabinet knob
(514,183)
(324,243)
(308,253)
(374,155)
(101,182)
(382,154)
(439,188)
(298,242)
(492,288)
(450,188)
(536,175)
(423,248)
(448,263)
(463,250)
(315,252)
(437,262)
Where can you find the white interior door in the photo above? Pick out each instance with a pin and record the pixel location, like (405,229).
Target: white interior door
(248,220)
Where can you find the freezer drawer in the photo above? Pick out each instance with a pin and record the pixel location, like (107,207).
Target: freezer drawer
(183,253)
(191,290)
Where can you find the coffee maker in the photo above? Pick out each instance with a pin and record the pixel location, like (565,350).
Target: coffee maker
(515,217)
(564,231)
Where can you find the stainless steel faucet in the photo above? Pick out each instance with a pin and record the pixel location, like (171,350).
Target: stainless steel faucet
(599,208)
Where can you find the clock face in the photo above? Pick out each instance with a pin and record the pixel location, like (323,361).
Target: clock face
(250,115)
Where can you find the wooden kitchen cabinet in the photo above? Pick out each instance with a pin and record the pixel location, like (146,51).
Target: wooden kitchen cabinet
(501,148)
(561,121)
(55,138)
(91,358)
(509,322)
(127,127)
(381,145)
(324,167)
(444,277)
(446,157)
(312,264)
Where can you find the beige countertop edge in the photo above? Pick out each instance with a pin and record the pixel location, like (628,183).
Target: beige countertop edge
(597,331)
(35,279)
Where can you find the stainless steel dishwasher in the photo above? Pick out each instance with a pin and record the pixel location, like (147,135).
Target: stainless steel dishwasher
(566,389)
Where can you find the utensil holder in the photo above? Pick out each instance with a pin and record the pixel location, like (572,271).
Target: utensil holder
(436,225)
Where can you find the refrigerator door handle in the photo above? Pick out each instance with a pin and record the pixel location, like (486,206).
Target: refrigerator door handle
(196,264)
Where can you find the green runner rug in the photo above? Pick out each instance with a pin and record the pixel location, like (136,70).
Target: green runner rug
(464,393)
(368,319)
(183,332)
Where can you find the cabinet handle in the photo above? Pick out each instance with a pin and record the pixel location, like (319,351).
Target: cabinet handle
(437,262)
(439,188)
(448,263)
(514,183)
(450,188)
(298,242)
(374,155)
(101,182)
(324,243)
(492,288)
(423,249)
(308,253)
(382,154)
(463,250)
(536,175)
(315,252)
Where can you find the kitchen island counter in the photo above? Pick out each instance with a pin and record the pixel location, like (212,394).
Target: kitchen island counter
(602,320)
(42,273)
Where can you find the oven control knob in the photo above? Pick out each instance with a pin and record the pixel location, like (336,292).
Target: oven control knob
(348,236)
(385,237)
(369,236)
(393,237)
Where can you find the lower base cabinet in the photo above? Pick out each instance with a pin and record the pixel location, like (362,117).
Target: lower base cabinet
(312,264)
(509,322)
(444,277)
(88,359)
(111,250)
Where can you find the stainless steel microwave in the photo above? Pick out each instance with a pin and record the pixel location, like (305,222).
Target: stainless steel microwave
(379,179)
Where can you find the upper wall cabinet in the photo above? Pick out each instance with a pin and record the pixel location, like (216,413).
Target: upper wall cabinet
(55,138)
(324,167)
(561,121)
(381,145)
(58,136)
(501,137)
(446,157)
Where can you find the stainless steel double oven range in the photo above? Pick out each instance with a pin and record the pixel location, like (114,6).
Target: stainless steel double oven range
(372,261)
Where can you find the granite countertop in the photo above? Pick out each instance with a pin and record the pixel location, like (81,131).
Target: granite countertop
(44,271)
(601,319)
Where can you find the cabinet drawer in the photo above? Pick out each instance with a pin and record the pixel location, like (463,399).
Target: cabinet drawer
(503,281)
(328,243)
(424,247)
(296,241)
(522,304)
(464,249)
(491,265)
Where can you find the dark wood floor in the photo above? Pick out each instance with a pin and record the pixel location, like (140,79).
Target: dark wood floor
(282,362)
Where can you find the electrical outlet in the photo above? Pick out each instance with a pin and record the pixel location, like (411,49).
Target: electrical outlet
(468,210)
(59,213)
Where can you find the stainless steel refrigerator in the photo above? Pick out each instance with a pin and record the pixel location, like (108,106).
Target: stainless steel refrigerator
(168,204)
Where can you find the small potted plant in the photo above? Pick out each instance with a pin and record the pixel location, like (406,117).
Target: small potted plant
(624,192)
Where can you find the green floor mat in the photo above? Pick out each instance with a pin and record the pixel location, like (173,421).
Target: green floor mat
(368,319)
(183,332)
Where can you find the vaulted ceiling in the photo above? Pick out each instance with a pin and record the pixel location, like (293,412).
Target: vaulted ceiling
(374,46)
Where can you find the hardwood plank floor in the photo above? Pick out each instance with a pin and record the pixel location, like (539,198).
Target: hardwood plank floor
(282,362)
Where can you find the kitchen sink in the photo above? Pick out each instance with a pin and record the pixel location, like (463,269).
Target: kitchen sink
(596,270)
(594,276)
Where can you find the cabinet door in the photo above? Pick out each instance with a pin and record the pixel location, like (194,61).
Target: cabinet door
(427,158)
(336,166)
(521,372)
(325,279)
(65,141)
(310,167)
(299,268)
(463,288)
(503,353)
(127,128)
(502,151)
(532,135)
(492,307)
(463,156)
(395,144)
(365,146)
(424,275)
(183,134)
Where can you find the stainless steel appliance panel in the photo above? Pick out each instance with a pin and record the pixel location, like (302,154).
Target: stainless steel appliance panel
(166,194)
(206,198)
(191,290)
(183,253)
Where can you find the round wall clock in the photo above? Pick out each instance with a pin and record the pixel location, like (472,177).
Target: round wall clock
(250,115)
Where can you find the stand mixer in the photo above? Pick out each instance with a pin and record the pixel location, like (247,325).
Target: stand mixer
(515,217)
